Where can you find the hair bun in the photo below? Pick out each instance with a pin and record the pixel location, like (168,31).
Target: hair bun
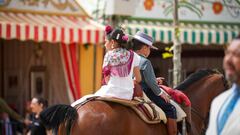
(108,29)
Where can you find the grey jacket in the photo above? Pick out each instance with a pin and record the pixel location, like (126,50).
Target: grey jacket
(148,76)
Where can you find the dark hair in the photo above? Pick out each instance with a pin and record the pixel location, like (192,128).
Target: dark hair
(42,101)
(137,45)
(117,35)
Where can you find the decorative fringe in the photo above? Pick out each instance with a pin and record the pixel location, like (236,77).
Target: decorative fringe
(121,70)
(53,116)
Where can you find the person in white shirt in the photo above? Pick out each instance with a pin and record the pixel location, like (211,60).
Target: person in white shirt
(119,67)
(225,112)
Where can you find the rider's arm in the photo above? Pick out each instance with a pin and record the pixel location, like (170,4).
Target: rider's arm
(150,78)
(136,70)
(137,74)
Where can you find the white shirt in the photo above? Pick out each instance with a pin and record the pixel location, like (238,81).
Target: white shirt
(120,87)
(232,126)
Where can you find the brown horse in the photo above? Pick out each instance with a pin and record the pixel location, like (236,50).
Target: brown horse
(105,118)
(201,87)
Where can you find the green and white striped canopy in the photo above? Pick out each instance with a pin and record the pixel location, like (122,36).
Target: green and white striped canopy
(192,34)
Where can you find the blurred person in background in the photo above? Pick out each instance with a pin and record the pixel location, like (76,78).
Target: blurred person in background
(10,120)
(34,124)
(5,108)
(225,110)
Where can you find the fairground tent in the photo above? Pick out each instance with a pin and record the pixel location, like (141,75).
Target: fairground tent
(50,22)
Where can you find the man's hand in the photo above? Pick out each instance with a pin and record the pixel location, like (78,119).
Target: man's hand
(165,97)
(27,122)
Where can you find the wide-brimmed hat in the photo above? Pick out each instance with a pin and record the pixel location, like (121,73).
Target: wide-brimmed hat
(144,38)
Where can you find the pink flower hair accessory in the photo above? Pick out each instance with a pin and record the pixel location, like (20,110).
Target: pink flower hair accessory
(125,38)
(108,29)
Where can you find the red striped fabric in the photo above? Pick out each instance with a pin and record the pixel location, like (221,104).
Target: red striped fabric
(71,34)
(97,36)
(74,67)
(68,70)
(88,36)
(8,31)
(18,33)
(54,34)
(69,31)
(62,35)
(69,53)
(45,33)
(36,33)
(27,31)
(80,36)
(38,27)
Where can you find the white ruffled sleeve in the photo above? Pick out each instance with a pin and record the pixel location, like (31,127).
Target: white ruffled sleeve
(136,60)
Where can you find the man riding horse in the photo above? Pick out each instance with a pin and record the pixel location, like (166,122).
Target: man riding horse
(142,45)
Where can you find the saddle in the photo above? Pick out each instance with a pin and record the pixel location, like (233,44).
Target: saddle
(138,92)
(144,108)
(180,113)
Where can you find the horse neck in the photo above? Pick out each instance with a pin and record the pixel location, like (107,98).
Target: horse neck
(202,92)
(212,86)
(197,96)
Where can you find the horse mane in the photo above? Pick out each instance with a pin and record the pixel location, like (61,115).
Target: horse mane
(195,77)
(54,115)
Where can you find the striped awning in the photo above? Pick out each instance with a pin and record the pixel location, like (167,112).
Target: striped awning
(191,33)
(50,28)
